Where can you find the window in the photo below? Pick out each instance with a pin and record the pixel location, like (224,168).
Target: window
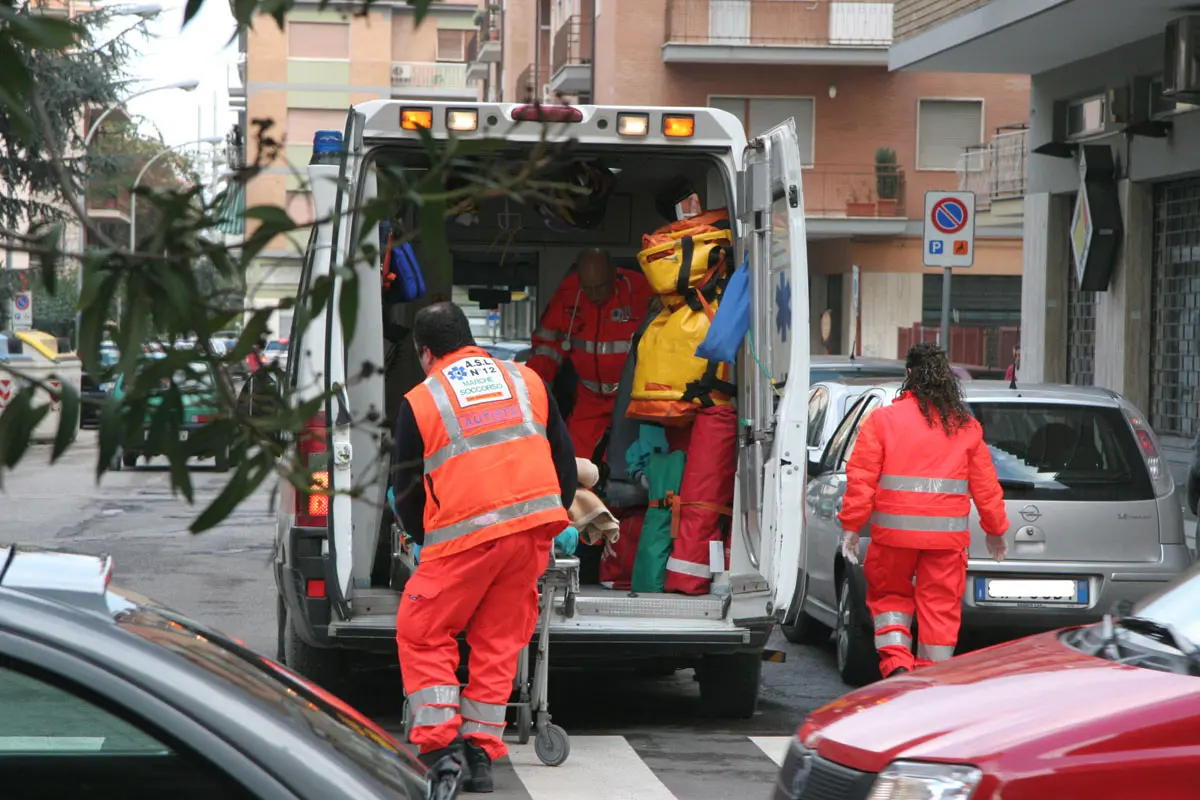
(451,46)
(324,40)
(300,207)
(1054,451)
(945,128)
(760,114)
(838,440)
(818,408)
(873,402)
(58,737)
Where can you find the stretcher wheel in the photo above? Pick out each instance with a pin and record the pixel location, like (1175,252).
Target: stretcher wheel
(552,745)
(524,723)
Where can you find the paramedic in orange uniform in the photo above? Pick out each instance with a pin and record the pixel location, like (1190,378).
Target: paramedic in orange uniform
(484,473)
(915,468)
(591,320)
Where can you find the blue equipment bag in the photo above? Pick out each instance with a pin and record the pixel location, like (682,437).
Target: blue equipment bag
(402,278)
(732,320)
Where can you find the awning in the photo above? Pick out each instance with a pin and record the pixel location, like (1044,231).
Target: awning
(231,216)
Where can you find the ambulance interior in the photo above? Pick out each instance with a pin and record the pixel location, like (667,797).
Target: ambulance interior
(507,264)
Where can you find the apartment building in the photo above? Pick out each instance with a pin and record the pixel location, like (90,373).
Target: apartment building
(1111,292)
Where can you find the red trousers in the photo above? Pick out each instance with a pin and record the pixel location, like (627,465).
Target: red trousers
(892,597)
(590,418)
(491,591)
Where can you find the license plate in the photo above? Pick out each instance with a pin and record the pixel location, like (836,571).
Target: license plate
(183,436)
(1031,590)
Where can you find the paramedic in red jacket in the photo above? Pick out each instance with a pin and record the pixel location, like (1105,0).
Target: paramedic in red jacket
(915,468)
(591,320)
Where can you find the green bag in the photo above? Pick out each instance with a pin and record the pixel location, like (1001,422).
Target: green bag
(664,472)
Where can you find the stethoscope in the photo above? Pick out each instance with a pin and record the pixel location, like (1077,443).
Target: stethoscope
(566,345)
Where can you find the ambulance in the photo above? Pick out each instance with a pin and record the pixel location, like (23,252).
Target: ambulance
(338,567)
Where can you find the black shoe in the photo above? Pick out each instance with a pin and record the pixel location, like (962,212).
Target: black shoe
(480,768)
(448,763)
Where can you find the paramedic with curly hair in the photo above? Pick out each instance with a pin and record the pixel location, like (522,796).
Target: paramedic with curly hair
(484,473)
(916,466)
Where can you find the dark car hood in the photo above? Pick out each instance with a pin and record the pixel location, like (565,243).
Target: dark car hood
(1033,696)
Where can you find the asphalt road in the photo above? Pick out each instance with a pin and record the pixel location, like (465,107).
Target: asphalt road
(635,737)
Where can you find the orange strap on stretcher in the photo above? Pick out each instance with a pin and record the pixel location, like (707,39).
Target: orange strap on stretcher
(674,502)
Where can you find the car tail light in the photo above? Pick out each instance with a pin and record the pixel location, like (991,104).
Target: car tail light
(312,507)
(1160,475)
(200,419)
(315,588)
(541,113)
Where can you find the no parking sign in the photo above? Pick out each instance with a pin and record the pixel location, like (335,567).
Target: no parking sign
(949,229)
(22,311)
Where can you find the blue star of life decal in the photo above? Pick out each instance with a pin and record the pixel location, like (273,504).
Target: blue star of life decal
(783,306)
(457,373)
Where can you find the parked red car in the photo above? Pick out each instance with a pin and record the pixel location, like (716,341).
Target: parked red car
(1110,710)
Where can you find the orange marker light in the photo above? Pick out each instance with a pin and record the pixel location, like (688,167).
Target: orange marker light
(413,118)
(679,126)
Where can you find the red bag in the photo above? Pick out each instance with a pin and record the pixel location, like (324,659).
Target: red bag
(705,499)
(616,562)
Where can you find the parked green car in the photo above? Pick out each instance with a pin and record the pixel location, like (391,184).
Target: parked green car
(200,410)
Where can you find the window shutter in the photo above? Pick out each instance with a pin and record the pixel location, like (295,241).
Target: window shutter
(734,105)
(766,113)
(947,128)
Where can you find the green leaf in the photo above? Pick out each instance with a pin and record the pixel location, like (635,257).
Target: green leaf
(249,476)
(271,215)
(348,305)
(15,428)
(181,478)
(40,32)
(255,329)
(110,434)
(48,256)
(190,10)
(68,420)
(434,246)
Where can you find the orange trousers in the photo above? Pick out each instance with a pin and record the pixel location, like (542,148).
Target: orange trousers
(491,592)
(936,597)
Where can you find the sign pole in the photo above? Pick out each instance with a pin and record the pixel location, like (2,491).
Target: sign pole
(945,339)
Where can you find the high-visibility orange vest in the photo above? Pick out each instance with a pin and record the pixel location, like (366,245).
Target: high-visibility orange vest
(488,467)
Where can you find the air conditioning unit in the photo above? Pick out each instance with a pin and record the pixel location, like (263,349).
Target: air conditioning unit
(1181,59)
(401,73)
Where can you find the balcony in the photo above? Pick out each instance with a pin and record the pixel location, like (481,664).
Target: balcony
(531,84)
(571,57)
(484,49)
(851,200)
(432,80)
(821,32)
(996,171)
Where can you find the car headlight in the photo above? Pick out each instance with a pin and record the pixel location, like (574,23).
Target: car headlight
(912,780)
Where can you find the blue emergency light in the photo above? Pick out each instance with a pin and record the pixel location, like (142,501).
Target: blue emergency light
(327,142)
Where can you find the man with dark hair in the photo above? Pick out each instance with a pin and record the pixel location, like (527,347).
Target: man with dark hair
(484,475)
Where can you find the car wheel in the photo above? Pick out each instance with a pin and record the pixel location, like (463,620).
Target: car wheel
(129,459)
(281,621)
(324,666)
(857,660)
(806,630)
(729,684)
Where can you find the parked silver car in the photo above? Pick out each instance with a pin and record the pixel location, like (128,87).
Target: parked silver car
(837,368)
(1091,507)
(827,405)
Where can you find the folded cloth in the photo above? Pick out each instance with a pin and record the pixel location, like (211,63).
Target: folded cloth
(593,519)
(589,473)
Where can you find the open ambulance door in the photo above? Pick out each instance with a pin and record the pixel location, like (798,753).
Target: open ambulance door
(773,389)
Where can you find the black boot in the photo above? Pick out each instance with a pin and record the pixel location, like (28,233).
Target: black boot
(448,763)
(480,768)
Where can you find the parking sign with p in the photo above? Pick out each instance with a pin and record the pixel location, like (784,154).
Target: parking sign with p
(949,229)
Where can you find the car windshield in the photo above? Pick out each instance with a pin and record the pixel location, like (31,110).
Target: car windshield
(196,378)
(274,347)
(261,681)
(1058,451)
(1178,606)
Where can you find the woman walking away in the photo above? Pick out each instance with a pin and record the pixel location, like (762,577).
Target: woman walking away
(914,470)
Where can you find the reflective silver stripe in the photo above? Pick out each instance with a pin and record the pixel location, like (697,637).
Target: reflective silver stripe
(487,713)
(893,639)
(688,568)
(548,352)
(935,652)
(460,443)
(600,388)
(889,618)
(909,522)
(515,511)
(899,483)
(603,348)
(434,705)
(546,333)
(479,727)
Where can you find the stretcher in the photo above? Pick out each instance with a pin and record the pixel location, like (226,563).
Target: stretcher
(530,698)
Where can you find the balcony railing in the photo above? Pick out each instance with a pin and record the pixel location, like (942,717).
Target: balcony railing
(572,43)
(492,24)
(427,75)
(819,23)
(530,83)
(854,191)
(996,170)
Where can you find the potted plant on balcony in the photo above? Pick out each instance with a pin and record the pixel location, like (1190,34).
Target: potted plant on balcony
(859,202)
(887,181)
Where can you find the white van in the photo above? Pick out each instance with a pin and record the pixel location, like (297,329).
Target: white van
(337,568)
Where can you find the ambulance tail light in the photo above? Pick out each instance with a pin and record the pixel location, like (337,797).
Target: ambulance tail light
(312,507)
(540,113)
(462,120)
(1160,475)
(679,126)
(633,124)
(413,118)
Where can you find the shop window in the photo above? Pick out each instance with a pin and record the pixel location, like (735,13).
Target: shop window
(324,40)
(1175,310)
(946,128)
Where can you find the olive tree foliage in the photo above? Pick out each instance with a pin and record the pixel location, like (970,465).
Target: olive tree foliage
(174,283)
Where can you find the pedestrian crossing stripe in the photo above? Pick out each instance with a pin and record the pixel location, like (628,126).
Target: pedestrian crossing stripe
(675,766)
